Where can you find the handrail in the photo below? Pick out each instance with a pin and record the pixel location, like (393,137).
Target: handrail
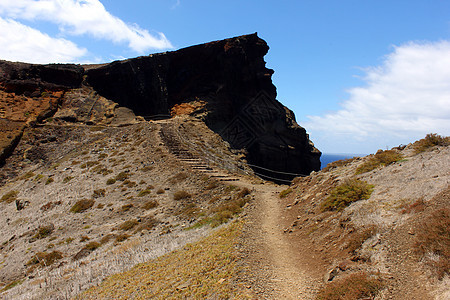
(279,172)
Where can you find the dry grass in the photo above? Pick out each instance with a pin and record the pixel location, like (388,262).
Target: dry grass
(357,238)
(9,197)
(180,195)
(381,158)
(122,176)
(430,140)
(204,270)
(82,205)
(150,204)
(354,286)
(344,194)
(433,241)
(180,177)
(49,180)
(44,231)
(338,163)
(44,259)
(415,207)
(128,225)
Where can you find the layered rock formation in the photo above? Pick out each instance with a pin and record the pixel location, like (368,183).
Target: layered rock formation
(225,83)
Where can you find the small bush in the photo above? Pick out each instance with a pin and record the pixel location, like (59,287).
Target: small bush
(178,178)
(354,286)
(338,163)
(150,204)
(180,195)
(84,238)
(358,238)
(106,239)
(27,175)
(122,237)
(44,259)
(99,193)
(104,171)
(415,207)
(285,192)
(381,158)
(148,223)
(343,195)
(67,179)
(110,181)
(434,239)
(126,207)
(10,197)
(49,180)
(130,184)
(160,191)
(50,205)
(122,176)
(89,164)
(430,140)
(82,205)
(44,231)
(128,225)
(92,246)
(144,193)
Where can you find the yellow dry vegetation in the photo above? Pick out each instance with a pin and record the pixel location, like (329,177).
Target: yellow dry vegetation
(203,270)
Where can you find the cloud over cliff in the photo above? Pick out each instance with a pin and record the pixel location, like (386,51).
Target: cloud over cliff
(402,100)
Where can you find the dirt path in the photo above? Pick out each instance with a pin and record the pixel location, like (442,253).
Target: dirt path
(272,260)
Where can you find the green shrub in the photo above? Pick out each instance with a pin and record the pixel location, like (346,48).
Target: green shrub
(430,140)
(354,286)
(144,193)
(381,158)
(27,175)
(343,195)
(285,192)
(180,195)
(49,180)
(82,205)
(9,197)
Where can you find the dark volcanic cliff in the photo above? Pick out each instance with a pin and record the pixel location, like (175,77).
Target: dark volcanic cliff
(225,83)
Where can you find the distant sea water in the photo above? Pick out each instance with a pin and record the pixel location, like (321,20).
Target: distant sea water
(325,159)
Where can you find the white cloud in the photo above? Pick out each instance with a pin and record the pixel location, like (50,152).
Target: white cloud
(22,43)
(405,98)
(85,17)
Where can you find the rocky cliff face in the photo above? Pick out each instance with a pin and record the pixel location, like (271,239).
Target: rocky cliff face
(224,83)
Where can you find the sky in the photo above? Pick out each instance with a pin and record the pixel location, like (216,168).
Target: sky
(359,75)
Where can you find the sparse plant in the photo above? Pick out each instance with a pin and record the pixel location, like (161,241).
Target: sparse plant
(10,197)
(180,195)
(354,286)
(344,194)
(50,205)
(84,238)
(12,284)
(148,223)
(106,239)
(49,180)
(285,192)
(92,246)
(381,158)
(82,205)
(38,177)
(430,140)
(160,191)
(338,163)
(415,207)
(144,193)
(178,178)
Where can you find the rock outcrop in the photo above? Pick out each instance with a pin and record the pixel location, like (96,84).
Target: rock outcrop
(224,83)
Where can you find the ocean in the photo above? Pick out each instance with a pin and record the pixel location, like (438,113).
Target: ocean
(325,159)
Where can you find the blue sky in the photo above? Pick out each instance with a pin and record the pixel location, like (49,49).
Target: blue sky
(359,75)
